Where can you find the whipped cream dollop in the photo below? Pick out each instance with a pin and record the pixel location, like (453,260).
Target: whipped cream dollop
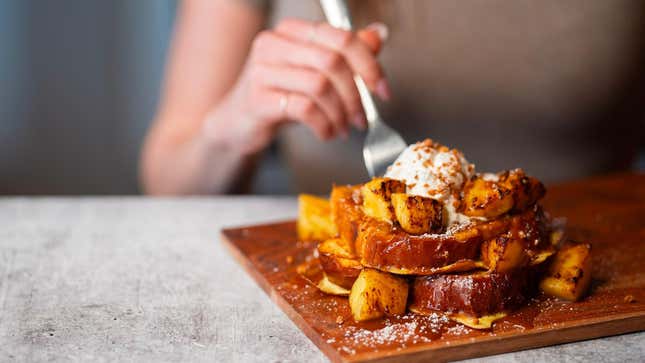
(435,171)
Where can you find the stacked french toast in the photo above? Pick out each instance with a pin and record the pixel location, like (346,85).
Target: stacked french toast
(474,250)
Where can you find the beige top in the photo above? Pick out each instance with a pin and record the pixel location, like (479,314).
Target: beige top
(552,86)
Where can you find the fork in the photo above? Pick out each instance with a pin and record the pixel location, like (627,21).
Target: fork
(382,144)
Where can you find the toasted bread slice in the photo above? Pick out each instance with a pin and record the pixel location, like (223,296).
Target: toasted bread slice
(347,211)
(471,294)
(388,248)
(313,273)
(339,263)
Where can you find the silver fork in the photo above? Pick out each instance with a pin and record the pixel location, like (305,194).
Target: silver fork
(382,144)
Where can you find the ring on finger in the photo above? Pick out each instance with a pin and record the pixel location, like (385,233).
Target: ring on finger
(284,103)
(313,33)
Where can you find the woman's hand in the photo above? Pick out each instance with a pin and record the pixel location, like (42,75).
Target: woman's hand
(300,71)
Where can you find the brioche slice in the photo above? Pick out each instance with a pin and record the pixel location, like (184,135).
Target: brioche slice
(338,262)
(313,273)
(388,248)
(474,299)
(347,211)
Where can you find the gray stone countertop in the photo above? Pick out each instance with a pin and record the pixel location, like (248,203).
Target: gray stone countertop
(135,279)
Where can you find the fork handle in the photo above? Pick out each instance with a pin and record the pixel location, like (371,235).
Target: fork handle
(338,16)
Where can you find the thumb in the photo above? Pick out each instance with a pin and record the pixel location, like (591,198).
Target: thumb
(374,35)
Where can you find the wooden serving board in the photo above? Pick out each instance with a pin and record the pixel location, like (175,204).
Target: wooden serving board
(608,212)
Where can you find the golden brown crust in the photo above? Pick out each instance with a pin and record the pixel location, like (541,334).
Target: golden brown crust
(475,273)
(383,246)
(338,262)
(347,211)
(312,272)
(473,294)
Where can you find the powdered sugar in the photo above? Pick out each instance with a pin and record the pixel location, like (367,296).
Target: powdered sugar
(404,331)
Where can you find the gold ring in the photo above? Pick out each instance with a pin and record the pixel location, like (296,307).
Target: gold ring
(313,32)
(284,103)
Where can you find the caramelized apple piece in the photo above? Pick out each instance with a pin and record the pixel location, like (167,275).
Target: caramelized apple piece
(484,198)
(377,293)
(417,214)
(569,274)
(526,190)
(512,191)
(377,197)
(314,218)
(504,253)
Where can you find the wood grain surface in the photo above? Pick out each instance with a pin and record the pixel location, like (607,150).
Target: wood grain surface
(608,212)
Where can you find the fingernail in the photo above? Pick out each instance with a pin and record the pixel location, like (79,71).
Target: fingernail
(380,29)
(383,90)
(359,121)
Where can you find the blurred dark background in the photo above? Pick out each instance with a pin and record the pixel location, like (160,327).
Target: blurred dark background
(79,83)
(79,86)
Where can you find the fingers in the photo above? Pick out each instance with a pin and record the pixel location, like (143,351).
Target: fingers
(355,52)
(308,83)
(275,49)
(315,64)
(277,106)
(374,35)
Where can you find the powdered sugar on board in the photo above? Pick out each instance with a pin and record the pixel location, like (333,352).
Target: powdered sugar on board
(400,332)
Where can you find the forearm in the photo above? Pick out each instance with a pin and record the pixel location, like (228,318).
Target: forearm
(205,162)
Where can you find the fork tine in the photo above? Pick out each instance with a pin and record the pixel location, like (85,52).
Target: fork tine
(382,146)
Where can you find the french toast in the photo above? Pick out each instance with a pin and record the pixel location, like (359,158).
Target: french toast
(346,211)
(472,246)
(477,294)
(340,265)
(389,248)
